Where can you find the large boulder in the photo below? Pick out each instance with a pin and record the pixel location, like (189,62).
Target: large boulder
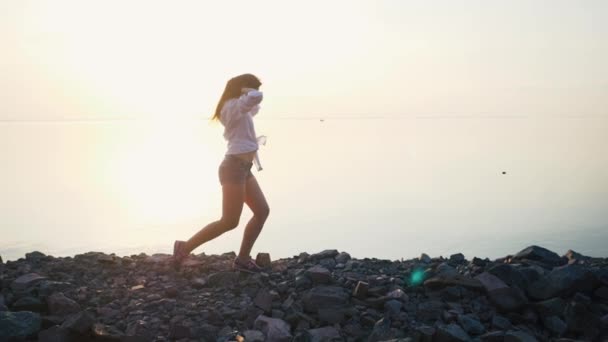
(324,297)
(563,281)
(19,325)
(273,328)
(26,281)
(539,254)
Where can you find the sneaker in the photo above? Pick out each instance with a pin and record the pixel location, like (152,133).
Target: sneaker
(179,251)
(248,266)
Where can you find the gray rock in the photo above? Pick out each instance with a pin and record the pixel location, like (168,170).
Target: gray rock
(580,318)
(392,308)
(501,323)
(254,336)
(550,307)
(139,330)
(510,275)
(446,270)
(539,254)
(106,333)
(274,329)
(601,292)
(325,334)
(398,294)
(429,311)
(494,336)
(34,256)
(326,254)
(490,282)
(26,281)
(563,281)
(425,258)
(79,322)
(28,303)
(323,297)
(507,299)
(518,336)
(54,334)
(48,287)
(223,279)
(457,258)
(441,281)
(331,315)
(554,324)
(19,325)
(449,333)
(263,300)
(60,305)
(342,258)
(319,274)
(471,324)
(361,289)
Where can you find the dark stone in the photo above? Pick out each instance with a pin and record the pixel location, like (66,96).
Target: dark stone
(540,254)
(501,323)
(471,324)
(79,322)
(60,305)
(562,281)
(429,311)
(326,254)
(392,308)
(26,281)
(106,333)
(342,258)
(550,307)
(263,300)
(34,256)
(457,258)
(601,292)
(507,299)
(439,282)
(331,315)
(450,333)
(361,289)
(325,334)
(28,304)
(555,325)
(510,275)
(223,279)
(19,325)
(494,336)
(425,258)
(54,334)
(274,329)
(580,318)
(323,297)
(319,274)
(518,336)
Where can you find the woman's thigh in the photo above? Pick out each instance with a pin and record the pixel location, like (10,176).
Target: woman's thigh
(255,199)
(232,202)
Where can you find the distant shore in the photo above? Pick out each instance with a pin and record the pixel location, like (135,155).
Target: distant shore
(534,294)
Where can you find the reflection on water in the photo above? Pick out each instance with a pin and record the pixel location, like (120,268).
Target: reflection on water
(387,188)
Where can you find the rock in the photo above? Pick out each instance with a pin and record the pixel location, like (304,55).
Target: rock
(263,300)
(342,258)
(381,331)
(425,258)
(554,324)
(573,256)
(398,294)
(439,282)
(326,254)
(3,306)
(26,281)
(323,297)
(550,307)
(60,305)
(457,258)
(254,336)
(494,336)
(490,282)
(223,279)
(106,333)
(501,323)
(518,336)
(28,303)
(449,333)
(429,311)
(274,329)
(319,275)
(198,283)
(392,308)
(601,292)
(263,260)
(563,281)
(79,322)
(507,299)
(580,318)
(139,330)
(54,334)
(510,275)
(361,289)
(471,324)
(325,334)
(19,325)
(34,256)
(446,270)
(539,254)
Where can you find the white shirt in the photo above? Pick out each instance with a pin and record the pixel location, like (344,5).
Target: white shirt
(237,117)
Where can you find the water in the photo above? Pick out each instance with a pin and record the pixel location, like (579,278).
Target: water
(388,188)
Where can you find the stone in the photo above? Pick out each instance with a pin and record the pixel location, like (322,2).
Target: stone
(494,336)
(555,325)
(518,336)
(34,256)
(323,297)
(139,330)
(471,324)
(263,260)
(198,283)
(539,254)
(457,258)
(574,256)
(507,299)
(60,305)
(28,303)
(550,307)
(398,294)
(319,275)
(342,258)
(54,334)
(328,253)
(223,279)
(446,270)
(449,333)
(19,325)
(425,258)
(392,308)
(490,282)
(106,333)
(26,281)
(325,334)
(263,300)
(439,282)
(580,318)
(331,315)
(254,336)
(510,275)
(562,281)
(429,311)
(601,292)
(501,323)
(79,322)
(273,328)
(361,289)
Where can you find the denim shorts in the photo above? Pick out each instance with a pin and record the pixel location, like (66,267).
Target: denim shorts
(234,170)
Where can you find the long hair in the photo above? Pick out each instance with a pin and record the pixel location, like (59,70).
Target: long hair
(233,90)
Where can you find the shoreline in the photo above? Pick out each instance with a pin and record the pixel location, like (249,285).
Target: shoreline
(534,294)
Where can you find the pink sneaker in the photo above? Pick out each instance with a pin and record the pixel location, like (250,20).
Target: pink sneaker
(179,251)
(248,266)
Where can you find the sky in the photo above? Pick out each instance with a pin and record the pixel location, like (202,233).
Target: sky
(104,134)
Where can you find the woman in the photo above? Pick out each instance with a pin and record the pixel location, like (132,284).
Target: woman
(235,110)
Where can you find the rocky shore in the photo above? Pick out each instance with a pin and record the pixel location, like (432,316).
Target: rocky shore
(533,295)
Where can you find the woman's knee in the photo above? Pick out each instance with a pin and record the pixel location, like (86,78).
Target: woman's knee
(263,213)
(229,223)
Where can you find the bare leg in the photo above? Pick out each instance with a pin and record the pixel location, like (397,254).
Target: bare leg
(232,206)
(254,197)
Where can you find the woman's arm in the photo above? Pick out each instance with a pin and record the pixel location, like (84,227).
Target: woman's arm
(250,98)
